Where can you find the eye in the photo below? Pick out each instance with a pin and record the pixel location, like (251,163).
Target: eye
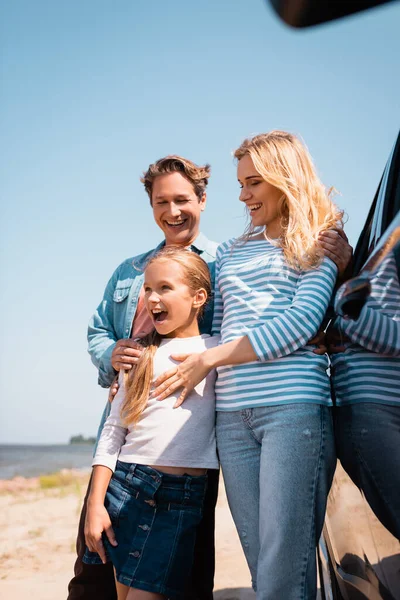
(146,289)
(160,202)
(253,183)
(166,287)
(181,201)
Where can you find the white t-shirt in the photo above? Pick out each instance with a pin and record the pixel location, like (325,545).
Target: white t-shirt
(164,436)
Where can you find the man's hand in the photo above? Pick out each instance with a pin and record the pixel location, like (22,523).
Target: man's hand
(336,341)
(336,246)
(97,521)
(320,343)
(126,354)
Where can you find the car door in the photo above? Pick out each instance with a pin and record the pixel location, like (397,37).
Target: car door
(360,550)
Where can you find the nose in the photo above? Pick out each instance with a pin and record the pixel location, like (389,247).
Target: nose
(154,298)
(244,195)
(174,210)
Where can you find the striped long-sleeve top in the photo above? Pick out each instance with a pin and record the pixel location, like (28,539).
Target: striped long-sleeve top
(279,309)
(369,369)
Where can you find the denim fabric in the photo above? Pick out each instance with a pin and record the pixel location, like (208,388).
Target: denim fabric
(113,318)
(154,517)
(278,464)
(368,446)
(96,582)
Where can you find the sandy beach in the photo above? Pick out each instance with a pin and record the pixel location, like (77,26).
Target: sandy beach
(38,524)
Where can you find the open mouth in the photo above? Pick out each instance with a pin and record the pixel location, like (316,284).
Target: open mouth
(159,315)
(176,224)
(253,207)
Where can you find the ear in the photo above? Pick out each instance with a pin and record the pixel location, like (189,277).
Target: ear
(200,298)
(203,201)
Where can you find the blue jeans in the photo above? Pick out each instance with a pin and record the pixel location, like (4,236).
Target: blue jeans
(368,445)
(278,463)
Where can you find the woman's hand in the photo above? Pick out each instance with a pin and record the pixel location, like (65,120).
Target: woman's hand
(97,521)
(187,375)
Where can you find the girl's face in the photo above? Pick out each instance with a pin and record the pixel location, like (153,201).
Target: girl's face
(261,198)
(171,304)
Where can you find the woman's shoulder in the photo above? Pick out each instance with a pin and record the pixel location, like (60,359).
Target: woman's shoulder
(224,246)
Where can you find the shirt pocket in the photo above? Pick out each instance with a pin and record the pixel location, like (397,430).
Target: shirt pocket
(122,290)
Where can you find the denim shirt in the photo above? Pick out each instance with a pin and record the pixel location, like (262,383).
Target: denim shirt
(114,316)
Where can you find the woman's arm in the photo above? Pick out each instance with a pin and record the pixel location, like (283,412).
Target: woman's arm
(275,338)
(292,329)
(374,330)
(218,303)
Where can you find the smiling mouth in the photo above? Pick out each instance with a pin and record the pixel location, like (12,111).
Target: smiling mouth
(253,207)
(176,224)
(159,315)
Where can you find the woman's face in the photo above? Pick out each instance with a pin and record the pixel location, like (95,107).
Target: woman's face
(261,198)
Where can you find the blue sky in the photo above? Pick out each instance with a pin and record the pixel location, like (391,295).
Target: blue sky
(92,93)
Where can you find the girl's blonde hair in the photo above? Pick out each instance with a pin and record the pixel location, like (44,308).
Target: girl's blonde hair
(306,207)
(138,381)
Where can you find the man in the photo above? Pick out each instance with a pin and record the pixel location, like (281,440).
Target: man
(177,192)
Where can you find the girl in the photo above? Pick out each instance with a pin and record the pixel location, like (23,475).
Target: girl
(274,428)
(146,514)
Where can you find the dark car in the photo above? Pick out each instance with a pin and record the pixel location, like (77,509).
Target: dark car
(359,552)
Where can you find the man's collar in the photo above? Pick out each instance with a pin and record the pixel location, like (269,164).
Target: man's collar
(200,244)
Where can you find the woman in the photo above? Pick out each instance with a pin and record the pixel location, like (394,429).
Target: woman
(274,427)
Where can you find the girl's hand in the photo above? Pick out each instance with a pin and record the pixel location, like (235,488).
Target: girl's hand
(97,521)
(187,375)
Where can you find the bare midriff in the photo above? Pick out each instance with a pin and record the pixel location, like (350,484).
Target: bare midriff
(179,470)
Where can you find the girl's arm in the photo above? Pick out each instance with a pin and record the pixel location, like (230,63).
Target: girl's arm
(113,433)
(275,338)
(110,442)
(97,518)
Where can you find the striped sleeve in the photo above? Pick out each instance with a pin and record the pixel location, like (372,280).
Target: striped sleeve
(286,333)
(218,302)
(374,330)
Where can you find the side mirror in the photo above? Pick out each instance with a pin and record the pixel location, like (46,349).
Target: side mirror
(305,13)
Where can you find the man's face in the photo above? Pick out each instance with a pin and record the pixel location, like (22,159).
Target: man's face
(176,208)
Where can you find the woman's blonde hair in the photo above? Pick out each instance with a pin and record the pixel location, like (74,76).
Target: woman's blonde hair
(138,381)
(306,207)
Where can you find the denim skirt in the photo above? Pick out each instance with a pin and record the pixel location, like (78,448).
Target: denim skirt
(155,517)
